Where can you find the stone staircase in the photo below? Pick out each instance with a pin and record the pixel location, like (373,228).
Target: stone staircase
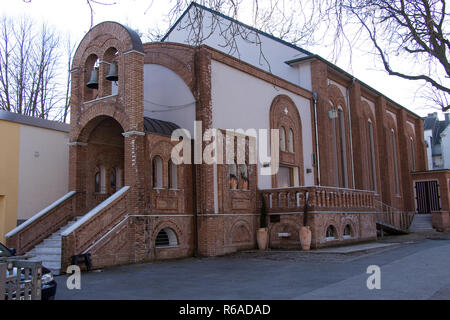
(49,251)
(421,223)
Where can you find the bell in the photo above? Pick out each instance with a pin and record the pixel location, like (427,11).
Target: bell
(112,75)
(93,82)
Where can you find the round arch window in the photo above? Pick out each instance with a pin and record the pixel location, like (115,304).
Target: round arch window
(331,233)
(347,232)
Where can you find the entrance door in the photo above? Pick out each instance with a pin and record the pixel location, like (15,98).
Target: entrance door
(427,196)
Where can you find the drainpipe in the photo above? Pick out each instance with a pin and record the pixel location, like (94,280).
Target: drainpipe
(315,97)
(350,127)
(194,201)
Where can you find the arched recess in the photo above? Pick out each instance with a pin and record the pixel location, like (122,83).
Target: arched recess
(284,115)
(169,224)
(239,233)
(411,147)
(104,151)
(341,133)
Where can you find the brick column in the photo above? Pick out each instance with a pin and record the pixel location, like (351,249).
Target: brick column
(360,142)
(421,149)
(77,174)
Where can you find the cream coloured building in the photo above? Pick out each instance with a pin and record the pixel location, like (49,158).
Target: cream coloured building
(34,161)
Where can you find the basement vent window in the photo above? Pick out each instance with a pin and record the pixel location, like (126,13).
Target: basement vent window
(166,238)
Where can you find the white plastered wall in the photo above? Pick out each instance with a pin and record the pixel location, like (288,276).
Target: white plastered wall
(240,100)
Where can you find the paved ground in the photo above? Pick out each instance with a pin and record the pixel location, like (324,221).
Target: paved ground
(412,267)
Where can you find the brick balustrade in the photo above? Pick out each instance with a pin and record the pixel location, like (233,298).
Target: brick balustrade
(94,225)
(27,235)
(319,198)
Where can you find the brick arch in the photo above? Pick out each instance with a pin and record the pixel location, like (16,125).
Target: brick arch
(173,63)
(106,30)
(240,233)
(162,148)
(277,119)
(89,120)
(369,115)
(337,227)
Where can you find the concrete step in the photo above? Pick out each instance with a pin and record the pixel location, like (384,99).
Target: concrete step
(45,250)
(421,223)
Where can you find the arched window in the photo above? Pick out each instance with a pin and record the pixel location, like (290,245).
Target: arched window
(331,233)
(157,172)
(282,139)
(394,159)
(233,176)
(118,177)
(112,180)
(372,166)
(347,232)
(173,175)
(166,238)
(97,181)
(291,140)
(413,154)
(243,176)
(342,148)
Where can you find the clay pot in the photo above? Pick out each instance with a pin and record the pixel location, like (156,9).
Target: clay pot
(262,237)
(305,237)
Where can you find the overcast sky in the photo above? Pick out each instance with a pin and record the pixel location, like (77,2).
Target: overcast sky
(73,17)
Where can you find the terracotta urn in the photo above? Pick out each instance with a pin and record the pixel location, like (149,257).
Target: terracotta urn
(305,237)
(262,237)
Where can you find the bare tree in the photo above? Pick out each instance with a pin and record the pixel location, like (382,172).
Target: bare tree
(29,65)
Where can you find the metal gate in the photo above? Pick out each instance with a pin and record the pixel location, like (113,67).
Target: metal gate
(427,196)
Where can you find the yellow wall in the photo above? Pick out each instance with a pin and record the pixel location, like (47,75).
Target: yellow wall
(9,175)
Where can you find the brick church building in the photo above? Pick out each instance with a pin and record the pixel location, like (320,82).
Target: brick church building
(343,146)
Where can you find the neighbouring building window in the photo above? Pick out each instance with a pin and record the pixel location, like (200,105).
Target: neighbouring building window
(157,172)
(173,175)
(282,139)
(394,158)
(166,238)
(291,140)
(372,157)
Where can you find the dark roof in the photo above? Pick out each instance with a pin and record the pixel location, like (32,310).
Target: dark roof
(234,21)
(161,127)
(432,122)
(35,122)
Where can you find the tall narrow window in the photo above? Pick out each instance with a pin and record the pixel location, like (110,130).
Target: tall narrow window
(243,180)
(173,175)
(233,176)
(291,140)
(413,154)
(157,172)
(97,181)
(112,180)
(342,149)
(394,158)
(282,139)
(372,157)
